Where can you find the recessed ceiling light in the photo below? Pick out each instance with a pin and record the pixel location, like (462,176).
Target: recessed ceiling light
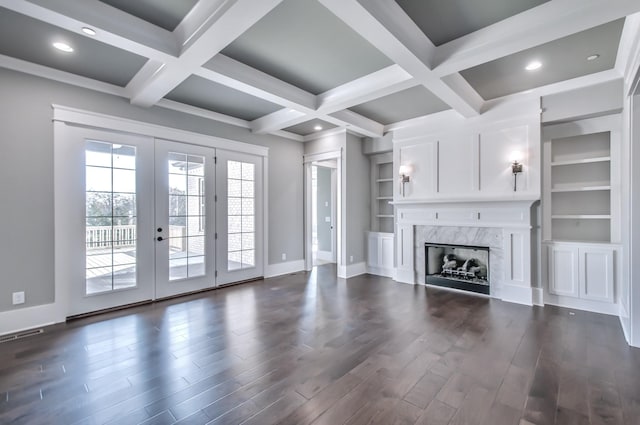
(593,57)
(317,128)
(532,66)
(63,47)
(88,31)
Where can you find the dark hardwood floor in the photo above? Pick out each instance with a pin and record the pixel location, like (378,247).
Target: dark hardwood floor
(313,349)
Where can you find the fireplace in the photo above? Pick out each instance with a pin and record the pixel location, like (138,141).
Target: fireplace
(457,266)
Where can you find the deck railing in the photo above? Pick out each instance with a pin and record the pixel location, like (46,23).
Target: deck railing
(123,236)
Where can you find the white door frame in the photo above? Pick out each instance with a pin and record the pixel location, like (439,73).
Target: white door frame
(66,116)
(308,161)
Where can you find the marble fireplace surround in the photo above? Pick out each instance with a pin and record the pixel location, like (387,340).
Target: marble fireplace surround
(502,225)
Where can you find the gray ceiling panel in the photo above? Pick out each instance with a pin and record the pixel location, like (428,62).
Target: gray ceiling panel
(31,40)
(304,44)
(443,21)
(410,103)
(561,60)
(166,14)
(215,97)
(308,127)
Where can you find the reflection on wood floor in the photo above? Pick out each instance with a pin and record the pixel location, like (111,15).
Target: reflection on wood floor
(312,349)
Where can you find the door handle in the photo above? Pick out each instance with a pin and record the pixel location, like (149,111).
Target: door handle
(159,239)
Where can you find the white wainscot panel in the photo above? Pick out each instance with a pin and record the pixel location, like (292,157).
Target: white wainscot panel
(563,267)
(496,148)
(423,159)
(596,267)
(458,165)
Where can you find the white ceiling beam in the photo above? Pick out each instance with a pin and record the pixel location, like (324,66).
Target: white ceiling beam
(356,123)
(278,120)
(196,19)
(113,27)
(539,25)
(385,25)
(31,68)
(373,86)
(231,73)
(231,20)
(562,86)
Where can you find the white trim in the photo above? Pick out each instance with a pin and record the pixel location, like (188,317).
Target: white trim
(108,122)
(352,270)
(317,157)
(582,304)
(326,133)
(537,296)
(625,323)
(60,76)
(516,294)
(279,269)
(382,271)
(200,112)
(289,135)
(13,321)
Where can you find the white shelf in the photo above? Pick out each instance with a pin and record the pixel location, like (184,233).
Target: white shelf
(592,186)
(382,198)
(581,216)
(384,215)
(581,161)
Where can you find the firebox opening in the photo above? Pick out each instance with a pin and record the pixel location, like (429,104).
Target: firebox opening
(458,266)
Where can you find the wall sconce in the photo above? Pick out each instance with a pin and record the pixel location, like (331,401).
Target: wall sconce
(516,167)
(404,171)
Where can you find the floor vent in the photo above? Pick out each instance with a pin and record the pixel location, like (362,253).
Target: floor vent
(20,335)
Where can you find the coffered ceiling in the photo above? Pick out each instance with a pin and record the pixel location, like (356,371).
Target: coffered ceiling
(298,68)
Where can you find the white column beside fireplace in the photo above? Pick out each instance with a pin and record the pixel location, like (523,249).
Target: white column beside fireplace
(503,225)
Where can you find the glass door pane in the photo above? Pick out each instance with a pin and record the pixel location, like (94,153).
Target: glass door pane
(239,222)
(104,218)
(184,222)
(110,216)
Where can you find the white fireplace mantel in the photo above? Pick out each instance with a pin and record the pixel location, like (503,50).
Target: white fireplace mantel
(508,216)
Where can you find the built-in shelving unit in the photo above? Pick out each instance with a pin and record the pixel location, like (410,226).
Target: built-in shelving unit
(382,212)
(581,212)
(578,198)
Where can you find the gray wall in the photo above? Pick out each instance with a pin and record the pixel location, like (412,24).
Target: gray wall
(26,177)
(323,208)
(358,199)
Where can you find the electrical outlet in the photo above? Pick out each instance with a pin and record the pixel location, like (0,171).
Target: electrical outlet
(284,256)
(18,298)
(351,258)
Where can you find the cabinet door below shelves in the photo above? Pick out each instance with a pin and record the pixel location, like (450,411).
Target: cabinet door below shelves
(563,271)
(596,274)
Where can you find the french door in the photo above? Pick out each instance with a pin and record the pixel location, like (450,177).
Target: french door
(146,218)
(239,220)
(109,212)
(184,218)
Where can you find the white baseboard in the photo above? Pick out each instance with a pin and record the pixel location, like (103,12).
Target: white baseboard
(352,270)
(405,276)
(538,296)
(325,256)
(19,320)
(517,294)
(580,304)
(278,269)
(381,271)
(625,323)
